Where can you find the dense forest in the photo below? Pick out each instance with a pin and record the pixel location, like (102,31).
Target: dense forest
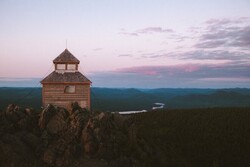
(197,137)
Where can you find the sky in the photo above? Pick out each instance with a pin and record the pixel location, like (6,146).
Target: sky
(128,43)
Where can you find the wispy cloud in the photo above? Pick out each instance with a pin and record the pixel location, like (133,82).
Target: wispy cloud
(226,21)
(125,55)
(201,54)
(97,49)
(147,30)
(225,33)
(213,55)
(211,43)
(157,70)
(150,30)
(128,33)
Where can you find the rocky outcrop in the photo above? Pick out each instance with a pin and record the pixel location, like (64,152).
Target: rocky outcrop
(57,137)
(19,136)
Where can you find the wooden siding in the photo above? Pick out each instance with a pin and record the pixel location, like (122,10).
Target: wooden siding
(54,94)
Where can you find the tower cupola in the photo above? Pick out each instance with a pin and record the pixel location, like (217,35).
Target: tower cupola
(66,62)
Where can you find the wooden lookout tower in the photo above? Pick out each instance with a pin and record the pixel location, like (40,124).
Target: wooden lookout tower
(66,84)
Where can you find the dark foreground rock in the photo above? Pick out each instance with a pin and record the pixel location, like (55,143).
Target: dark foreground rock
(57,137)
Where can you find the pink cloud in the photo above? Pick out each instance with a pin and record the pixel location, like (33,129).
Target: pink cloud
(187,67)
(145,70)
(156,70)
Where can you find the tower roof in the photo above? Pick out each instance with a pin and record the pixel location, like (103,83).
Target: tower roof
(55,77)
(66,57)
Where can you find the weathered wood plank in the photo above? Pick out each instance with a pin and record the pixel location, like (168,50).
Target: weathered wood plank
(54,94)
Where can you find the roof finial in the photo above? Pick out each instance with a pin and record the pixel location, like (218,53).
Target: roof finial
(66,44)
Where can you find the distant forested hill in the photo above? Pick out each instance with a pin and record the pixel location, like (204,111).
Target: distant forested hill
(139,99)
(114,99)
(28,97)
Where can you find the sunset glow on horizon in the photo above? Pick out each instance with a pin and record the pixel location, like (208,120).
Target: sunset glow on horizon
(142,44)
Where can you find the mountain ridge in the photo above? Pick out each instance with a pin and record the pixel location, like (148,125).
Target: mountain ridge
(123,99)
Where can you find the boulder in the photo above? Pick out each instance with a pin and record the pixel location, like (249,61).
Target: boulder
(53,120)
(45,116)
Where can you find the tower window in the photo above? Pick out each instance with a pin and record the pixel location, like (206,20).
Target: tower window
(61,66)
(70,89)
(71,67)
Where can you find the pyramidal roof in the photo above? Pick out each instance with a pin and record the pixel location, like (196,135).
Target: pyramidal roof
(66,57)
(55,77)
